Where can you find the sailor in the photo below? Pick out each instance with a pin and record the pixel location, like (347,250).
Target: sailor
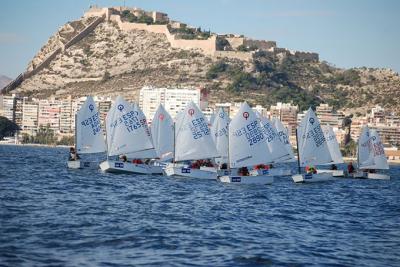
(243,171)
(333,167)
(72,154)
(350,167)
(123,158)
(311,169)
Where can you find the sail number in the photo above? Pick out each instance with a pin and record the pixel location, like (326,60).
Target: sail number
(317,134)
(130,120)
(93,122)
(199,128)
(252,132)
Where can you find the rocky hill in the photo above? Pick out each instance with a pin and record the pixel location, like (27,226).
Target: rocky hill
(112,60)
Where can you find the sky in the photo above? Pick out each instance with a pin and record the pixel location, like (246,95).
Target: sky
(345,33)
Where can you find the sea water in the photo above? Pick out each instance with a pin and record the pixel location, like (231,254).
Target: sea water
(52,216)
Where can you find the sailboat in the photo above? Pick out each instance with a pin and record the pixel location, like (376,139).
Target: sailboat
(219,133)
(334,149)
(276,148)
(371,155)
(247,147)
(192,141)
(284,137)
(312,149)
(128,134)
(89,137)
(162,131)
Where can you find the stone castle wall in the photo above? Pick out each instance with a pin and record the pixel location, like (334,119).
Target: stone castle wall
(245,56)
(207,46)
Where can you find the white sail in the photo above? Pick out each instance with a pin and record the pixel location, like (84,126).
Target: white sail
(162,131)
(192,136)
(247,143)
(380,159)
(371,154)
(312,145)
(333,144)
(276,147)
(220,133)
(284,137)
(127,129)
(89,135)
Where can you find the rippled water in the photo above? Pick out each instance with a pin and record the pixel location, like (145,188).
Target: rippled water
(50,215)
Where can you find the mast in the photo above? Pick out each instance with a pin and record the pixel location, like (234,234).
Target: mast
(298,153)
(105,124)
(76,133)
(173,159)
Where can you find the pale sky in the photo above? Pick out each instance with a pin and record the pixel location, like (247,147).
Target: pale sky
(346,33)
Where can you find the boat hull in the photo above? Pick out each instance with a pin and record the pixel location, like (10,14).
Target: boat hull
(182,171)
(79,164)
(259,179)
(335,173)
(127,167)
(271,172)
(312,178)
(365,175)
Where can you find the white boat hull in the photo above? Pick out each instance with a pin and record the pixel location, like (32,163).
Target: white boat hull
(366,175)
(182,171)
(263,179)
(335,173)
(272,172)
(128,167)
(79,164)
(312,178)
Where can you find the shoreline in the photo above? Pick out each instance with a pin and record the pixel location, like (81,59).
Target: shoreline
(345,159)
(35,145)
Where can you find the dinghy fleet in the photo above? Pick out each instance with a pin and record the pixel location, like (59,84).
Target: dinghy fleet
(238,151)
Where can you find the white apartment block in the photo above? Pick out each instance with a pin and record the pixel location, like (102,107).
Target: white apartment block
(30,116)
(49,114)
(7,104)
(173,99)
